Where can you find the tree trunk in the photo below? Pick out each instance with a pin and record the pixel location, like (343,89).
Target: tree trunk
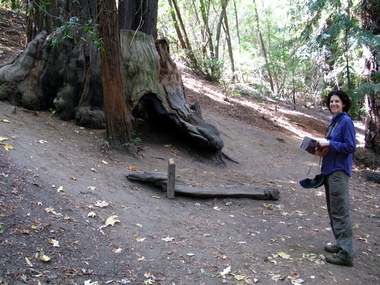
(139,15)
(185,43)
(213,72)
(263,48)
(372,123)
(219,27)
(118,120)
(40,17)
(229,45)
(371,22)
(237,23)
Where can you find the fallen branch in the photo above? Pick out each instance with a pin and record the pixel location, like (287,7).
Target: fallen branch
(261,192)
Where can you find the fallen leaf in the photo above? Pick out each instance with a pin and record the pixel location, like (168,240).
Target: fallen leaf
(44,257)
(112,220)
(104,162)
(117,250)
(140,239)
(91,215)
(88,282)
(7,146)
(167,239)
(101,204)
(3,139)
(60,189)
(242,278)
(276,277)
(91,188)
(29,262)
(142,258)
(133,168)
(54,242)
(5,121)
(284,255)
(148,275)
(225,271)
(73,178)
(268,206)
(51,211)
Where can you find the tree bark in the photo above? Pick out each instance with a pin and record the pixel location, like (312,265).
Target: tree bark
(139,15)
(229,45)
(184,40)
(224,4)
(213,72)
(371,22)
(263,48)
(39,17)
(118,120)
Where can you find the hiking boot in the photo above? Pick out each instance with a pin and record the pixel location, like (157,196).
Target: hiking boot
(332,248)
(334,259)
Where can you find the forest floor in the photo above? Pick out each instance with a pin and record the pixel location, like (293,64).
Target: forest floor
(59,185)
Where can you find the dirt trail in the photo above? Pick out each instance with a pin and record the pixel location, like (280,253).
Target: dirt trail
(180,241)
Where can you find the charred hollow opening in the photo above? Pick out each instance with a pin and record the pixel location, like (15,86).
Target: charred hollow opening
(153,119)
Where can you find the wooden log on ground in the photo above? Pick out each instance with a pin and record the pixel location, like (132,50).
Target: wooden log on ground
(372,175)
(261,192)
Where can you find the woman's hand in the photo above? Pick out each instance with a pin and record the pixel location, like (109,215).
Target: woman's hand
(323,142)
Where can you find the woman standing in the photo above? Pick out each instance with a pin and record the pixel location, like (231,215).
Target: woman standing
(337,168)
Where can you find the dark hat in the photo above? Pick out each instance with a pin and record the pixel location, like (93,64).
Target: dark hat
(316,182)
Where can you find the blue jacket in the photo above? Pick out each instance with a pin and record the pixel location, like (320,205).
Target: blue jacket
(342,146)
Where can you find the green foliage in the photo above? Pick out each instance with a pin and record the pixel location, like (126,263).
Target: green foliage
(312,46)
(135,140)
(15,5)
(358,96)
(69,31)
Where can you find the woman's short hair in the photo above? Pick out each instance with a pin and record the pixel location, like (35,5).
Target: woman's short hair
(343,96)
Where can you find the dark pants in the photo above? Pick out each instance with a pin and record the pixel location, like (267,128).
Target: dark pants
(338,207)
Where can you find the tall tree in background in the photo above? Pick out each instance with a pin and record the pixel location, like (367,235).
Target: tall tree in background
(42,17)
(371,23)
(263,48)
(182,35)
(139,15)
